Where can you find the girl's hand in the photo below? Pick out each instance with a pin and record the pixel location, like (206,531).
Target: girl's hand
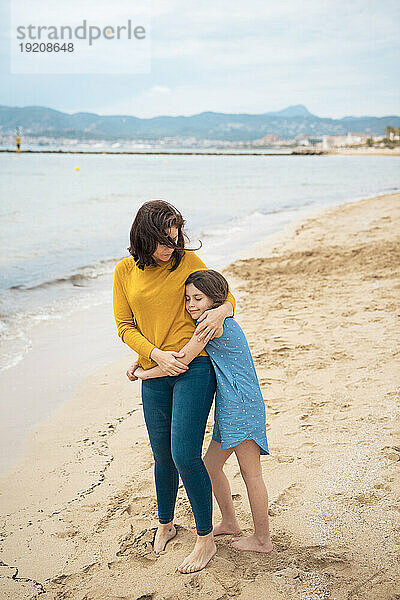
(167,361)
(140,374)
(210,323)
(130,373)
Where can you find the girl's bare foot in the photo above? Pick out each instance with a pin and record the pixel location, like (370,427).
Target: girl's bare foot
(224,528)
(203,552)
(164,533)
(251,543)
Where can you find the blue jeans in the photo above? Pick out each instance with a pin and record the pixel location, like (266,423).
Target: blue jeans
(176,411)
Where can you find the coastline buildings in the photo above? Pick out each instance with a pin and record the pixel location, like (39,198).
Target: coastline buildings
(340,141)
(270,141)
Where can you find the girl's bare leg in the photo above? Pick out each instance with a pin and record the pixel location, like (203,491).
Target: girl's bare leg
(248,455)
(214,461)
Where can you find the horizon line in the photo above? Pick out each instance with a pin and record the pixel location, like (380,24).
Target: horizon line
(271,112)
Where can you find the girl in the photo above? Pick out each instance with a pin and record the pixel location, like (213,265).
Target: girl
(239,410)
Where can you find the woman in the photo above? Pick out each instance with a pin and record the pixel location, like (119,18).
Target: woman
(149,309)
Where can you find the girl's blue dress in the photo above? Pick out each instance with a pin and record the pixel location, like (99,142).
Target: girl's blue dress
(239,404)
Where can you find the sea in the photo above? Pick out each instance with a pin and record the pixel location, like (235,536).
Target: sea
(65,218)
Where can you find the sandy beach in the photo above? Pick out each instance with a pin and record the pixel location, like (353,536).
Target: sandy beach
(366,151)
(319,303)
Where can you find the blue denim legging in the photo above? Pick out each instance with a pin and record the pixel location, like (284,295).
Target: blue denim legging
(176,411)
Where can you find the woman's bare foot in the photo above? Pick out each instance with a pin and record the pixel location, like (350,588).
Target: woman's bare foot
(164,533)
(224,528)
(251,543)
(203,552)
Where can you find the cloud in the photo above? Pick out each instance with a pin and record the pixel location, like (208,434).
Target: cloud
(159,90)
(337,58)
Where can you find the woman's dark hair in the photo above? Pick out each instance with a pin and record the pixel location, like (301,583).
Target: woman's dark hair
(149,228)
(211,283)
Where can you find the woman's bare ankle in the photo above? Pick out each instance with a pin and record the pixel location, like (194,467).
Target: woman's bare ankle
(164,533)
(163,526)
(205,539)
(203,551)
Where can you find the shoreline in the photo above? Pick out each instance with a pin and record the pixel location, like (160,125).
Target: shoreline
(296,152)
(147,152)
(317,303)
(50,374)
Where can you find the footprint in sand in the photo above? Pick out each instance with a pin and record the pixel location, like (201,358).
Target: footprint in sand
(392,452)
(176,545)
(285,500)
(302,418)
(194,584)
(140,545)
(285,459)
(67,533)
(368,499)
(382,486)
(141,505)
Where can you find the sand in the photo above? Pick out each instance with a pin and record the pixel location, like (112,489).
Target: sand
(365,151)
(319,303)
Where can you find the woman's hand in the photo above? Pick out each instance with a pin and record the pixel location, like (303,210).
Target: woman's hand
(167,361)
(211,321)
(130,373)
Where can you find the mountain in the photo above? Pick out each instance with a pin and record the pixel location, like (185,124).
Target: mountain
(299,110)
(287,123)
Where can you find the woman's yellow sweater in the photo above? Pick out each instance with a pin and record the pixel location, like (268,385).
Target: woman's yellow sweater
(149,305)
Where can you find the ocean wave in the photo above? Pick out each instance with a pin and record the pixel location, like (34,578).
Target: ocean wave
(16,322)
(78,278)
(14,345)
(242,223)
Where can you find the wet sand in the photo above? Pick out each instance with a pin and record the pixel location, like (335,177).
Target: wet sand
(319,304)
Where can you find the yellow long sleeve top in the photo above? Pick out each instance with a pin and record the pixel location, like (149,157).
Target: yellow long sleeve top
(149,305)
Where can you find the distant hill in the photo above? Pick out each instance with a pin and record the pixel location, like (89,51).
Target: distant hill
(287,123)
(299,110)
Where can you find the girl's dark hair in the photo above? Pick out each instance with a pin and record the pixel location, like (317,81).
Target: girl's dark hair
(149,228)
(211,283)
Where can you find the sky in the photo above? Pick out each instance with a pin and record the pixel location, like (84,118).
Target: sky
(336,57)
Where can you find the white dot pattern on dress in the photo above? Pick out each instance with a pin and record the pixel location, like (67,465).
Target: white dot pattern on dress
(239,404)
